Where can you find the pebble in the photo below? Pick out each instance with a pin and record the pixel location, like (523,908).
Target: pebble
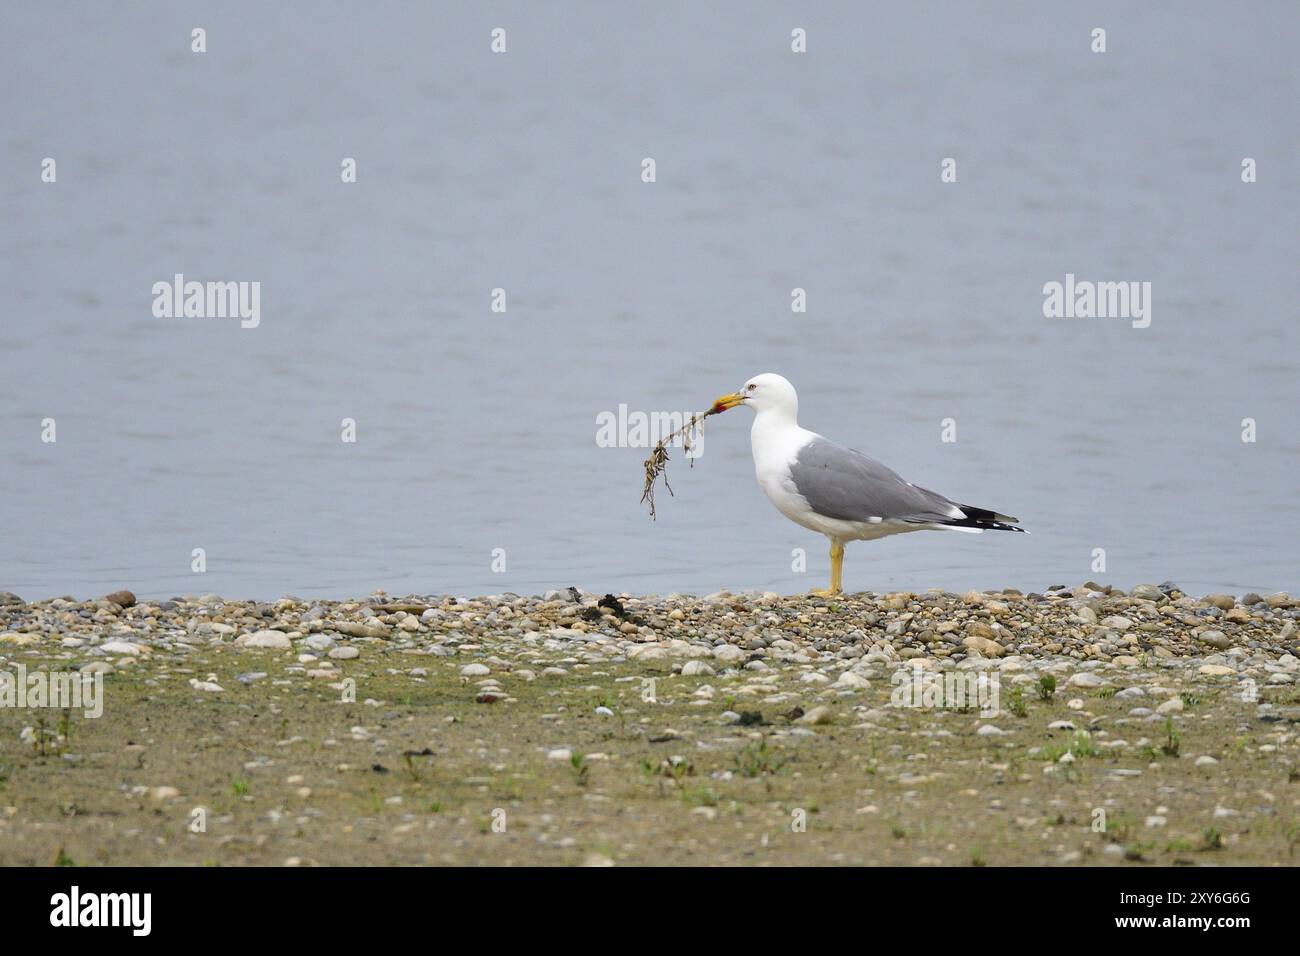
(1216,639)
(817,715)
(1216,670)
(1085,680)
(271,640)
(123,647)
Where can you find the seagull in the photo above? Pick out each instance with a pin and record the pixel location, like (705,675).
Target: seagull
(837,491)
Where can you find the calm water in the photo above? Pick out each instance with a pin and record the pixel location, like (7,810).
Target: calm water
(476,430)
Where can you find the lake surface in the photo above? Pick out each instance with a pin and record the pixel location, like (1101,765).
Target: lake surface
(476,430)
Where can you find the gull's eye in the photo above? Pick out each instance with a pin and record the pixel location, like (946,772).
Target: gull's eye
(751,387)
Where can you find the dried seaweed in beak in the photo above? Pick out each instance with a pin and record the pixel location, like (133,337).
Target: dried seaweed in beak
(656,465)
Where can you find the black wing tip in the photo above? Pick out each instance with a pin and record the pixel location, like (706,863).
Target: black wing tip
(985,520)
(983,525)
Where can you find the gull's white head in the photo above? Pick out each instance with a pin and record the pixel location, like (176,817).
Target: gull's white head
(762,393)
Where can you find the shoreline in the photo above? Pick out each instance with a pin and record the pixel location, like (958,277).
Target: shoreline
(1090,621)
(673,730)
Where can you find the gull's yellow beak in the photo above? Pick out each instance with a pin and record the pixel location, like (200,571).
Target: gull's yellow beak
(726,401)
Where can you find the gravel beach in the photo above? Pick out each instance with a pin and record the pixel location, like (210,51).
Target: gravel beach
(572,728)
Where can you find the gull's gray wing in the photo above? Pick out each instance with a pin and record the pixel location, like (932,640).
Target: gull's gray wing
(841,483)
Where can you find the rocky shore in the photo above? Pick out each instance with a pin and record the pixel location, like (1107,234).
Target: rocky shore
(733,728)
(1253,634)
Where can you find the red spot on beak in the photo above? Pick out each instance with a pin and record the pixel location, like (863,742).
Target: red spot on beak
(725,402)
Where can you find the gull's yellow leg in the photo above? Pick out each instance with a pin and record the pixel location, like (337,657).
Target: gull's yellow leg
(837,572)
